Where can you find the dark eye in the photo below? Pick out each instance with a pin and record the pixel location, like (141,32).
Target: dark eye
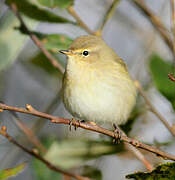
(85,53)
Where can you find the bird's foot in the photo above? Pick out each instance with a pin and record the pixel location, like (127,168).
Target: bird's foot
(73,121)
(117,134)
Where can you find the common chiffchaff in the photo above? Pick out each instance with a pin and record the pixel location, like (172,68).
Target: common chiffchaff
(96,84)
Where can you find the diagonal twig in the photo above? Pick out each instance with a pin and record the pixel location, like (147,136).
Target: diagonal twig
(108,14)
(28,132)
(38,43)
(79,21)
(152,108)
(4,133)
(156,22)
(172,3)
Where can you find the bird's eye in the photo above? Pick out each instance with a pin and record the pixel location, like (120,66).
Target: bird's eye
(85,53)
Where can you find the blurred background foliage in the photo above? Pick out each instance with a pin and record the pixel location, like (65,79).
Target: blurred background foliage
(27,77)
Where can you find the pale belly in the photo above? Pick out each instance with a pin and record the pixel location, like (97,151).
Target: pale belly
(100,102)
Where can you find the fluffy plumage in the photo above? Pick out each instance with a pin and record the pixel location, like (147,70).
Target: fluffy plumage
(97,87)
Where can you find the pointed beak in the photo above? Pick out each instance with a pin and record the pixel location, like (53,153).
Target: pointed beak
(66,52)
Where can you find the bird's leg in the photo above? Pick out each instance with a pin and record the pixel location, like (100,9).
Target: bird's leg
(117,134)
(70,124)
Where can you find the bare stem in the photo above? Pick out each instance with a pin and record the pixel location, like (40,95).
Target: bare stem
(4,133)
(79,21)
(34,38)
(152,108)
(172,2)
(28,132)
(138,154)
(156,22)
(54,119)
(109,14)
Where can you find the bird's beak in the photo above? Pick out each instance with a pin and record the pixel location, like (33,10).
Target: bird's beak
(66,52)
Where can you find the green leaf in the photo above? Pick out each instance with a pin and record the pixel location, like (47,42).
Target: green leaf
(42,62)
(160,69)
(11,41)
(52,42)
(6,173)
(42,172)
(162,172)
(55,42)
(92,173)
(56,3)
(74,152)
(37,13)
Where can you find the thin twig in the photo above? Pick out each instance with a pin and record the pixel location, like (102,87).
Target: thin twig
(34,38)
(152,108)
(172,2)
(156,22)
(54,119)
(108,14)
(138,154)
(28,132)
(79,21)
(4,133)
(173,16)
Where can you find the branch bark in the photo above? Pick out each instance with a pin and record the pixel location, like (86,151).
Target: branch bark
(58,120)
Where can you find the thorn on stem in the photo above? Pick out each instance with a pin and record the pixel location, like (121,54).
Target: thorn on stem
(35,151)
(3,130)
(171,77)
(135,143)
(30,108)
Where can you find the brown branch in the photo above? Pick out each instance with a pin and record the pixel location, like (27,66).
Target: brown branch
(152,109)
(156,22)
(108,15)
(79,21)
(54,119)
(34,38)
(4,133)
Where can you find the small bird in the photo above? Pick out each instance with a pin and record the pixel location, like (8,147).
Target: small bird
(96,85)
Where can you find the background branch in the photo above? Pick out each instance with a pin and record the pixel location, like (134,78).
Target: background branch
(79,21)
(155,21)
(28,132)
(30,110)
(152,109)
(38,43)
(4,133)
(108,14)
(172,3)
